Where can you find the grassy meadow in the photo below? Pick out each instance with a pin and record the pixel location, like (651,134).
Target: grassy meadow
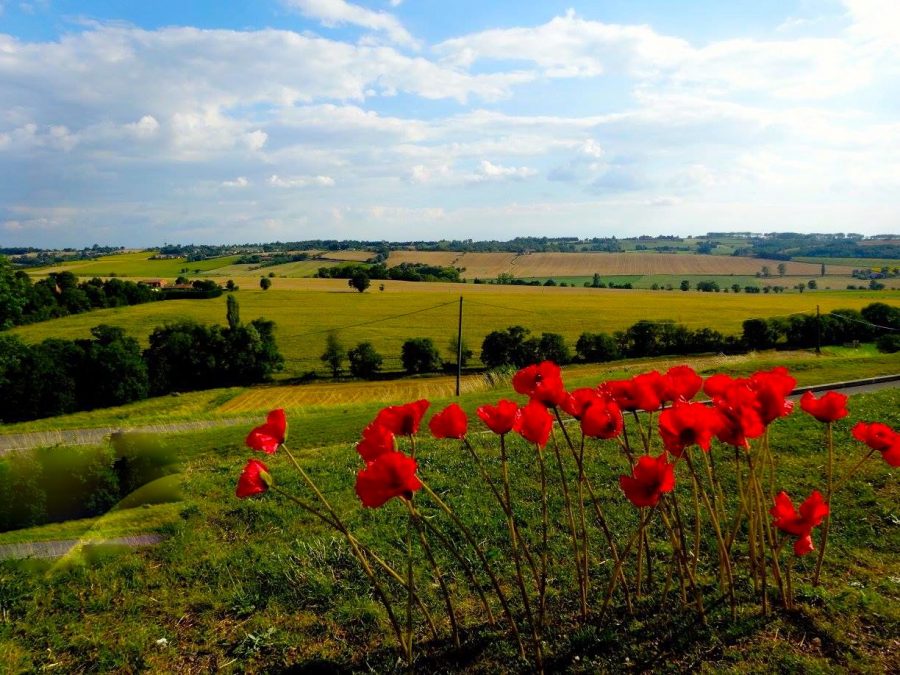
(256,586)
(306,309)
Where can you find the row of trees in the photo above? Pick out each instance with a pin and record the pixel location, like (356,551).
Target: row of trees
(60,294)
(516,346)
(402,272)
(63,376)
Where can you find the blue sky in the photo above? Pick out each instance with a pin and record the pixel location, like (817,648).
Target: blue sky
(141,123)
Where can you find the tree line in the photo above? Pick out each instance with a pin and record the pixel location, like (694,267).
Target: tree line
(515,346)
(24,301)
(56,376)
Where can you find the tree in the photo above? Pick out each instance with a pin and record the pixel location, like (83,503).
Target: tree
(597,347)
(553,347)
(265,283)
(230,285)
(757,334)
(419,355)
(782,269)
(505,347)
(811,284)
(766,272)
(365,362)
(180,280)
(465,354)
(685,285)
(822,271)
(360,281)
(735,288)
(334,354)
(232,312)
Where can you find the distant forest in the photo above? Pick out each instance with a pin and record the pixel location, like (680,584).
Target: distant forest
(775,245)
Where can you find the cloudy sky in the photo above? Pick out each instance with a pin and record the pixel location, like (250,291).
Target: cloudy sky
(216,121)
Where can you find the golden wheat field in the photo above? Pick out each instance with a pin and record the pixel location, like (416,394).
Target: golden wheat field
(305,310)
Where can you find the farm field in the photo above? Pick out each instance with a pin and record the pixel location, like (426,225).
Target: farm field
(305,310)
(257,586)
(489,265)
(133,264)
(311,308)
(858,263)
(355,399)
(830,282)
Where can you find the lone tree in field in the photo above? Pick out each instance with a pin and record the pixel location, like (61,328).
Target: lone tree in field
(265,283)
(232,312)
(334,355)
(782,269)
(365,362)
(419,355)
(685,285)
(360,281)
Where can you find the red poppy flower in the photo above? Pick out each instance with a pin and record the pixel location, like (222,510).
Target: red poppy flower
(687,424)
(403,420)
(771,387)
(576,402)
(650,478)
(638,393)
(377,439)
(602,419)
(799,523)
(831,407)
(499,418)
(451,422)
(876,435)
(254,479)
(717,385)
(542,382)
(267,437)
(534,423)
(739,418)
(682,383)
(892,454)
(393,474)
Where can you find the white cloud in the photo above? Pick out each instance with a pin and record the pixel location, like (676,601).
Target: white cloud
(339,12)
(239,182)
(300,181)
(146,127)
(488,171)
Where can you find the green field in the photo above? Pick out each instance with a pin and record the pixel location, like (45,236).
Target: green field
(305,310)
(861,263)
(256,586)
(646,281)
(135,264)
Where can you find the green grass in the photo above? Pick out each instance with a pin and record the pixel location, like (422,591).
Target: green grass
(255,586)
(306,311)
(135,264)
(852,262)
(321,421)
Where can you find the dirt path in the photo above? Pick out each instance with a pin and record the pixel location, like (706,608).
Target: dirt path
(37,439)
(56,549)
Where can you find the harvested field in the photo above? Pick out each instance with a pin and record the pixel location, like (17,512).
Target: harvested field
(489,265)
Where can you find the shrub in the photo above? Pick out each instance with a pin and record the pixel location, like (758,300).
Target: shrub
(419,355)
(365,362)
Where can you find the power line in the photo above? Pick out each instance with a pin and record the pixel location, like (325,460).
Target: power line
(865,323)
(373,321)
(511,309)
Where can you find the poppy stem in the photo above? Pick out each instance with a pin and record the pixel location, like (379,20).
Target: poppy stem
(847,476)
(410,590)
(574,532)
(684,570)
(585,547)
(515,541)
(827,524)
(469,537)
(545,525)
(467,568)
(448,601)
(358,554)
(615,575)
(724,559)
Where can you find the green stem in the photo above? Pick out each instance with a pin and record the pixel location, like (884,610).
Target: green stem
(826,526)
(571,521)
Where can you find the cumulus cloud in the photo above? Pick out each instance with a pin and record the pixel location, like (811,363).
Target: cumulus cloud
(340,12)
(488,171)
(300,181)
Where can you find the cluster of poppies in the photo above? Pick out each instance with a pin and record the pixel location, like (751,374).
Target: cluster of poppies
(735,411)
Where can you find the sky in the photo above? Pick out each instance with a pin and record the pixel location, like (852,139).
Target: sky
(211,121)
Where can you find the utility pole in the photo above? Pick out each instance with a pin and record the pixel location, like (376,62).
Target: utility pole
(459,348)
(818,332)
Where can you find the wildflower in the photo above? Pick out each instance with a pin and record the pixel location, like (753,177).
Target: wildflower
(254,479)
(499,418)
(831,407)
(267,437)
(682,383)
(687,424)
(377,439)
(541,382)
(403,420)
(393,474)
(451,422)
(799,523)
(650,478)
(534,423)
